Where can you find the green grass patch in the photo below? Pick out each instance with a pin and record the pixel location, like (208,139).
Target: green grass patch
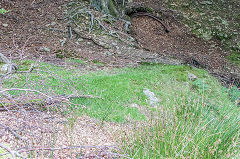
(121,88)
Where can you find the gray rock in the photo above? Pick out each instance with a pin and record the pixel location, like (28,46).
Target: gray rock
(53,23)
(108,53)
(192,77)
(9,68)
(153,100)
(4,68)
(45,49)
(5,25)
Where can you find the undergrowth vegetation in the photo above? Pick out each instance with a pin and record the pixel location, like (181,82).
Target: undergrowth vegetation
(195,119)
(191,129)
(3,11)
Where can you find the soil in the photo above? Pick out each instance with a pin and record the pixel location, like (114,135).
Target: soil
(31,26)
(180,43)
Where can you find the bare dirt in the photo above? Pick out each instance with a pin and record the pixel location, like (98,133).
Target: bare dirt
(52,136)
(31,26)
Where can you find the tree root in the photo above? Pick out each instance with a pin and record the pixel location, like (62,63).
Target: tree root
(153,17)
(96,22)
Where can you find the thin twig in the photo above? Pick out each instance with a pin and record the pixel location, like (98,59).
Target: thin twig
(64,148)
(83,96)
(29,90)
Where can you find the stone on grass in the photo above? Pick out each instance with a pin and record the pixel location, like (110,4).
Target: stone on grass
(192,77)
(45,49)
(153,100)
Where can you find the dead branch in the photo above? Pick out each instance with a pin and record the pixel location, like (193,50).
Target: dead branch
(22,49)
(50,97)
(9,67)
(30,90)
(64,148)
(103,149)
(83,96)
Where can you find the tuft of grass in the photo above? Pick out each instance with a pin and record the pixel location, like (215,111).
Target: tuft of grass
(98,63)
(3,11)
(77,61)
(190,129)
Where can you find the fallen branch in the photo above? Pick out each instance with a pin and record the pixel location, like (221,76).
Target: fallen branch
(18,72)
(29,90)
(9,67)
(63,97)
(82,96)
(52,99)
(64,148)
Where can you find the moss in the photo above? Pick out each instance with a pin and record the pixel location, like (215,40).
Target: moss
(234,57)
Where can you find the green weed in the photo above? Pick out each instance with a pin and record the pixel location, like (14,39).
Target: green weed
(3,11)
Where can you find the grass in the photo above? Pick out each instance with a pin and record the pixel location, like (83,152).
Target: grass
(191,130)
(121,88)
(200,119)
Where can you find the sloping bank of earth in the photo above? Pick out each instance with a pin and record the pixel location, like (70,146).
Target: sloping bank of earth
(180,43)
